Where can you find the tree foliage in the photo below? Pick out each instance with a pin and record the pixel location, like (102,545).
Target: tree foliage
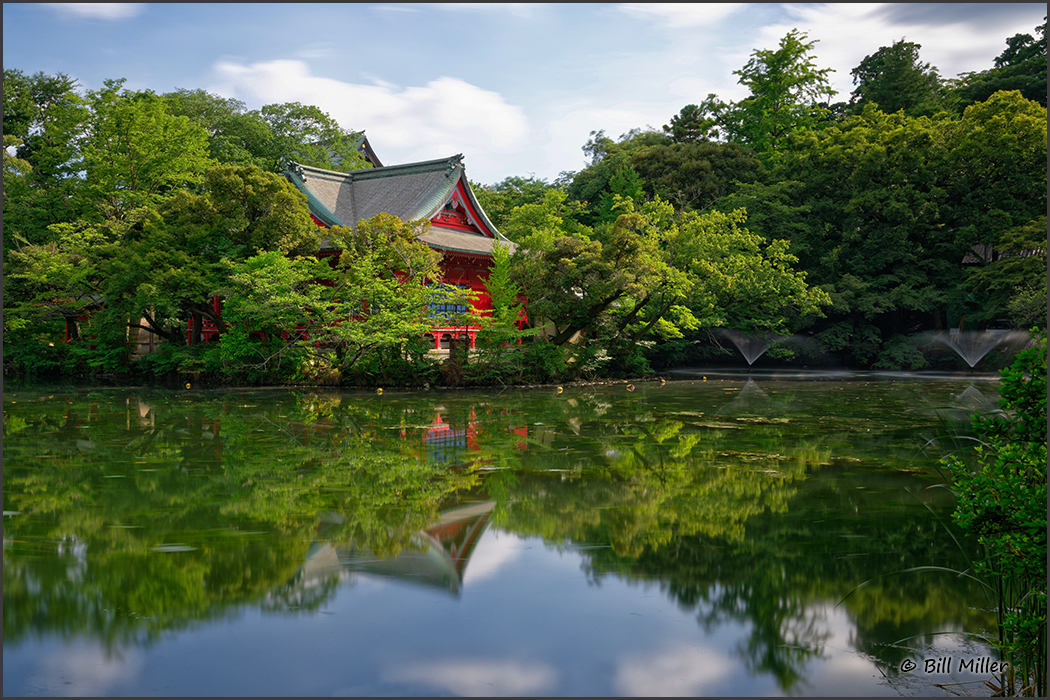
(1002,501)
(895,79)
(47,120)
(886,208)
(655,273)
(1021,66)
(378,292)
(788,92)
(500,199)
(267,137)
(136,153)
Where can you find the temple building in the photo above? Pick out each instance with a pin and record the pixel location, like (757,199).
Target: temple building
(436,190)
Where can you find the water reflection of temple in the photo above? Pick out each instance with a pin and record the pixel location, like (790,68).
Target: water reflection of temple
(445,443)
(436,558)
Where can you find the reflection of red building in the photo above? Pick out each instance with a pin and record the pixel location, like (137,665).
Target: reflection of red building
(444,443)
(435,190)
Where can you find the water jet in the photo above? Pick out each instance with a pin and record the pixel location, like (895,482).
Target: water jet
(972,346)
(753,346)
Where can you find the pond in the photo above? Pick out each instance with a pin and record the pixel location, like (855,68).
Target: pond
(720,534)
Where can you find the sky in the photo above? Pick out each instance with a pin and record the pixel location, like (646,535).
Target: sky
(517,88)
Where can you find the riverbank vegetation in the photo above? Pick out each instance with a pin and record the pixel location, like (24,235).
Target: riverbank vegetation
(862,227)
(1002,501)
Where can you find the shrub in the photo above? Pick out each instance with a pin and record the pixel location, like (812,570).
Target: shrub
(1002,500)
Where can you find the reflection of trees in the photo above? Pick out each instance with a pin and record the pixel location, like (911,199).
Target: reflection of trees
(712,496)
(718,510)
(650,488)
(173,510)
(782,577)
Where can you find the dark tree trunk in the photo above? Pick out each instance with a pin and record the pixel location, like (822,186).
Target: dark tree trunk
(198,321)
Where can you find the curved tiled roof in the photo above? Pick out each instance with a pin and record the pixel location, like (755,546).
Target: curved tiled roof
(411,191)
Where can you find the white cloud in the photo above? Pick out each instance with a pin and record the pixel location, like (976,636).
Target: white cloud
(516,9)
(673,673)
(394,8)
(682,15)
(97,10)
(477,678)
(446,116)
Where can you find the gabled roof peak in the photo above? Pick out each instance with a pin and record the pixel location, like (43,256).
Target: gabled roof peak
(450,165)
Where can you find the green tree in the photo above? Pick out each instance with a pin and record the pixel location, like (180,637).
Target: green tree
(49,120)
(1013,281)
(235,136)
(161,264)
(655,272)
(611,173)
(501,355)
(788,92)
(998,196)
(500,199)
(375,296)
(137,153)
(267,137)
(894,78)
(692,125)
(695,175)
(308,135)
(1021,66)
(888,206)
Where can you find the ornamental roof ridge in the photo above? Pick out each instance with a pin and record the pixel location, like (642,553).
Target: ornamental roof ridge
(449,165)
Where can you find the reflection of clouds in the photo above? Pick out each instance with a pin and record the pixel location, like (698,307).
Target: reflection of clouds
(492,553)
(79,670)
(673,673)
(839,666)
(477,678)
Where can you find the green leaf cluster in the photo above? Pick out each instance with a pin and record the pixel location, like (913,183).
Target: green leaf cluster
(374,295)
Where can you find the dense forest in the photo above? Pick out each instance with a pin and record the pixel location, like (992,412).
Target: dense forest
(860,227)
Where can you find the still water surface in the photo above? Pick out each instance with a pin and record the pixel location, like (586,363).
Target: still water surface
(703,537)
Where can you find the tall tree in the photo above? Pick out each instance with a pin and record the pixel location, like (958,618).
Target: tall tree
(161,264)
(885,208)
(653,272)
(895,79)
(691,125)
(137,153)
(49,119)
(309,135)
(500,199)
(695,175)
(788,92)
(611,173)
(235,135)
(998,192)
(1021,66)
